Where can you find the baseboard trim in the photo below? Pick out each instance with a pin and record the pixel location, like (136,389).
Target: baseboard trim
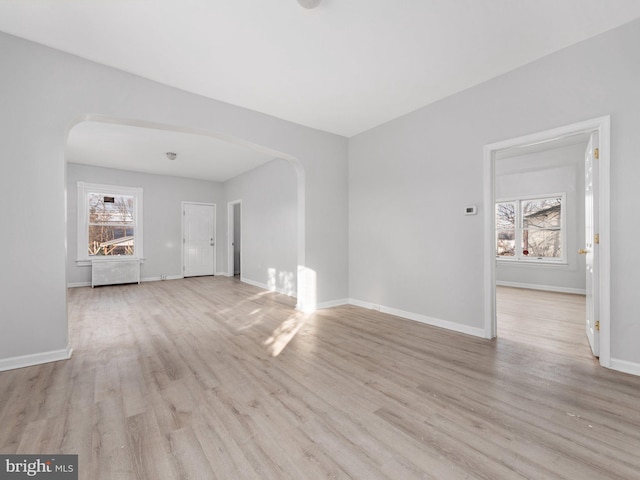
(332,303)
(625,366)
(144,279)
(160,279)
(35,359)
(547,288)
(416,317)
(264,286)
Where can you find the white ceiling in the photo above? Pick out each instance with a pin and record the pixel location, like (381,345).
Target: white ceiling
(344,67)
(142,149)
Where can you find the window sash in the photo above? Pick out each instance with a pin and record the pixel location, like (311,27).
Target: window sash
(129,220)
(519,230)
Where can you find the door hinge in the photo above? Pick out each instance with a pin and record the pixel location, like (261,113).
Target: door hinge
(597,325)
(596,239)
(183,268)
(596,153)
(184,240)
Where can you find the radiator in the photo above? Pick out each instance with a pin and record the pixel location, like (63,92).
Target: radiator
(115,271)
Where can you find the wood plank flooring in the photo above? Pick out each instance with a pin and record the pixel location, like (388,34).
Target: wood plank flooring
(209,378)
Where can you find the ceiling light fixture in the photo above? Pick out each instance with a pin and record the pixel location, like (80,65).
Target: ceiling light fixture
(171,155)
(309,3)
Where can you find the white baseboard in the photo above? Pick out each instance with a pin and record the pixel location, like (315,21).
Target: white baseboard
(436,322)
(222,274)
(35,359)
(144,279)
(547,288)
(332,303)
(625,366)
(267,287)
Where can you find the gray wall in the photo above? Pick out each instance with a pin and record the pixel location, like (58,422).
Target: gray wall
(44,93)
(411,247)
(548,172)
(162,213)
(269,224)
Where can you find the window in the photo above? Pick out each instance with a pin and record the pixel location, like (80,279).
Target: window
(109,221)
(531,229)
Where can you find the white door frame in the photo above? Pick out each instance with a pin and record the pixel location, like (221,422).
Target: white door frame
(603,126)
(215,233)
(230,236)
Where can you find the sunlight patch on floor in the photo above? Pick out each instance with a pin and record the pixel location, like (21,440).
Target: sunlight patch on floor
(282,335)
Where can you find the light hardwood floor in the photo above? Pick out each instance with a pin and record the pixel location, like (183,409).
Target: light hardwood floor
(180,380)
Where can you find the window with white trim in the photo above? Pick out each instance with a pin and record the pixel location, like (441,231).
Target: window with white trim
(531,229)
(109,221)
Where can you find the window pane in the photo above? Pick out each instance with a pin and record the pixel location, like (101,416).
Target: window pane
(506,243)
(111,240)
(110,209)
(505,229)
(541,243)
(541,213)
(505,215)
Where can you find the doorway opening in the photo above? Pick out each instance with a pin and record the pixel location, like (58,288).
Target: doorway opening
(234,245)
(499,158)
(306,281)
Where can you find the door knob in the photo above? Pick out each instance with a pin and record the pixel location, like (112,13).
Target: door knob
(583,251)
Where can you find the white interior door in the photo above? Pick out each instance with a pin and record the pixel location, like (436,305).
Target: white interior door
(198,234)
(590,250)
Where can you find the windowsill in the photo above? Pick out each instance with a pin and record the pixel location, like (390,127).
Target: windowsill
(114,258)
(532,262)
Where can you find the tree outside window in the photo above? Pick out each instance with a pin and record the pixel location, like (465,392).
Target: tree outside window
(111,224)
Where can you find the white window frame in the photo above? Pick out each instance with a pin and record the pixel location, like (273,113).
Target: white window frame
(83,257)
(525,259)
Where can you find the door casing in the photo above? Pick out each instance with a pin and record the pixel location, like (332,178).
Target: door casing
(602,125)
(215,213)
(230,236)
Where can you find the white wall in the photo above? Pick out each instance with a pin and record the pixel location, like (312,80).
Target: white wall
(162,204)
(269,225)
(411,247)
(44,93)
(559,170)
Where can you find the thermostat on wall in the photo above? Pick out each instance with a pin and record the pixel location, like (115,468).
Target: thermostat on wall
(472,210)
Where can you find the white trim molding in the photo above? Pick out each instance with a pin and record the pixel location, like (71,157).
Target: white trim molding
(332,303)
(417,317)
(625,366)
(546,288)
(160,279)
(35,359)
(231,235)
(142,279)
